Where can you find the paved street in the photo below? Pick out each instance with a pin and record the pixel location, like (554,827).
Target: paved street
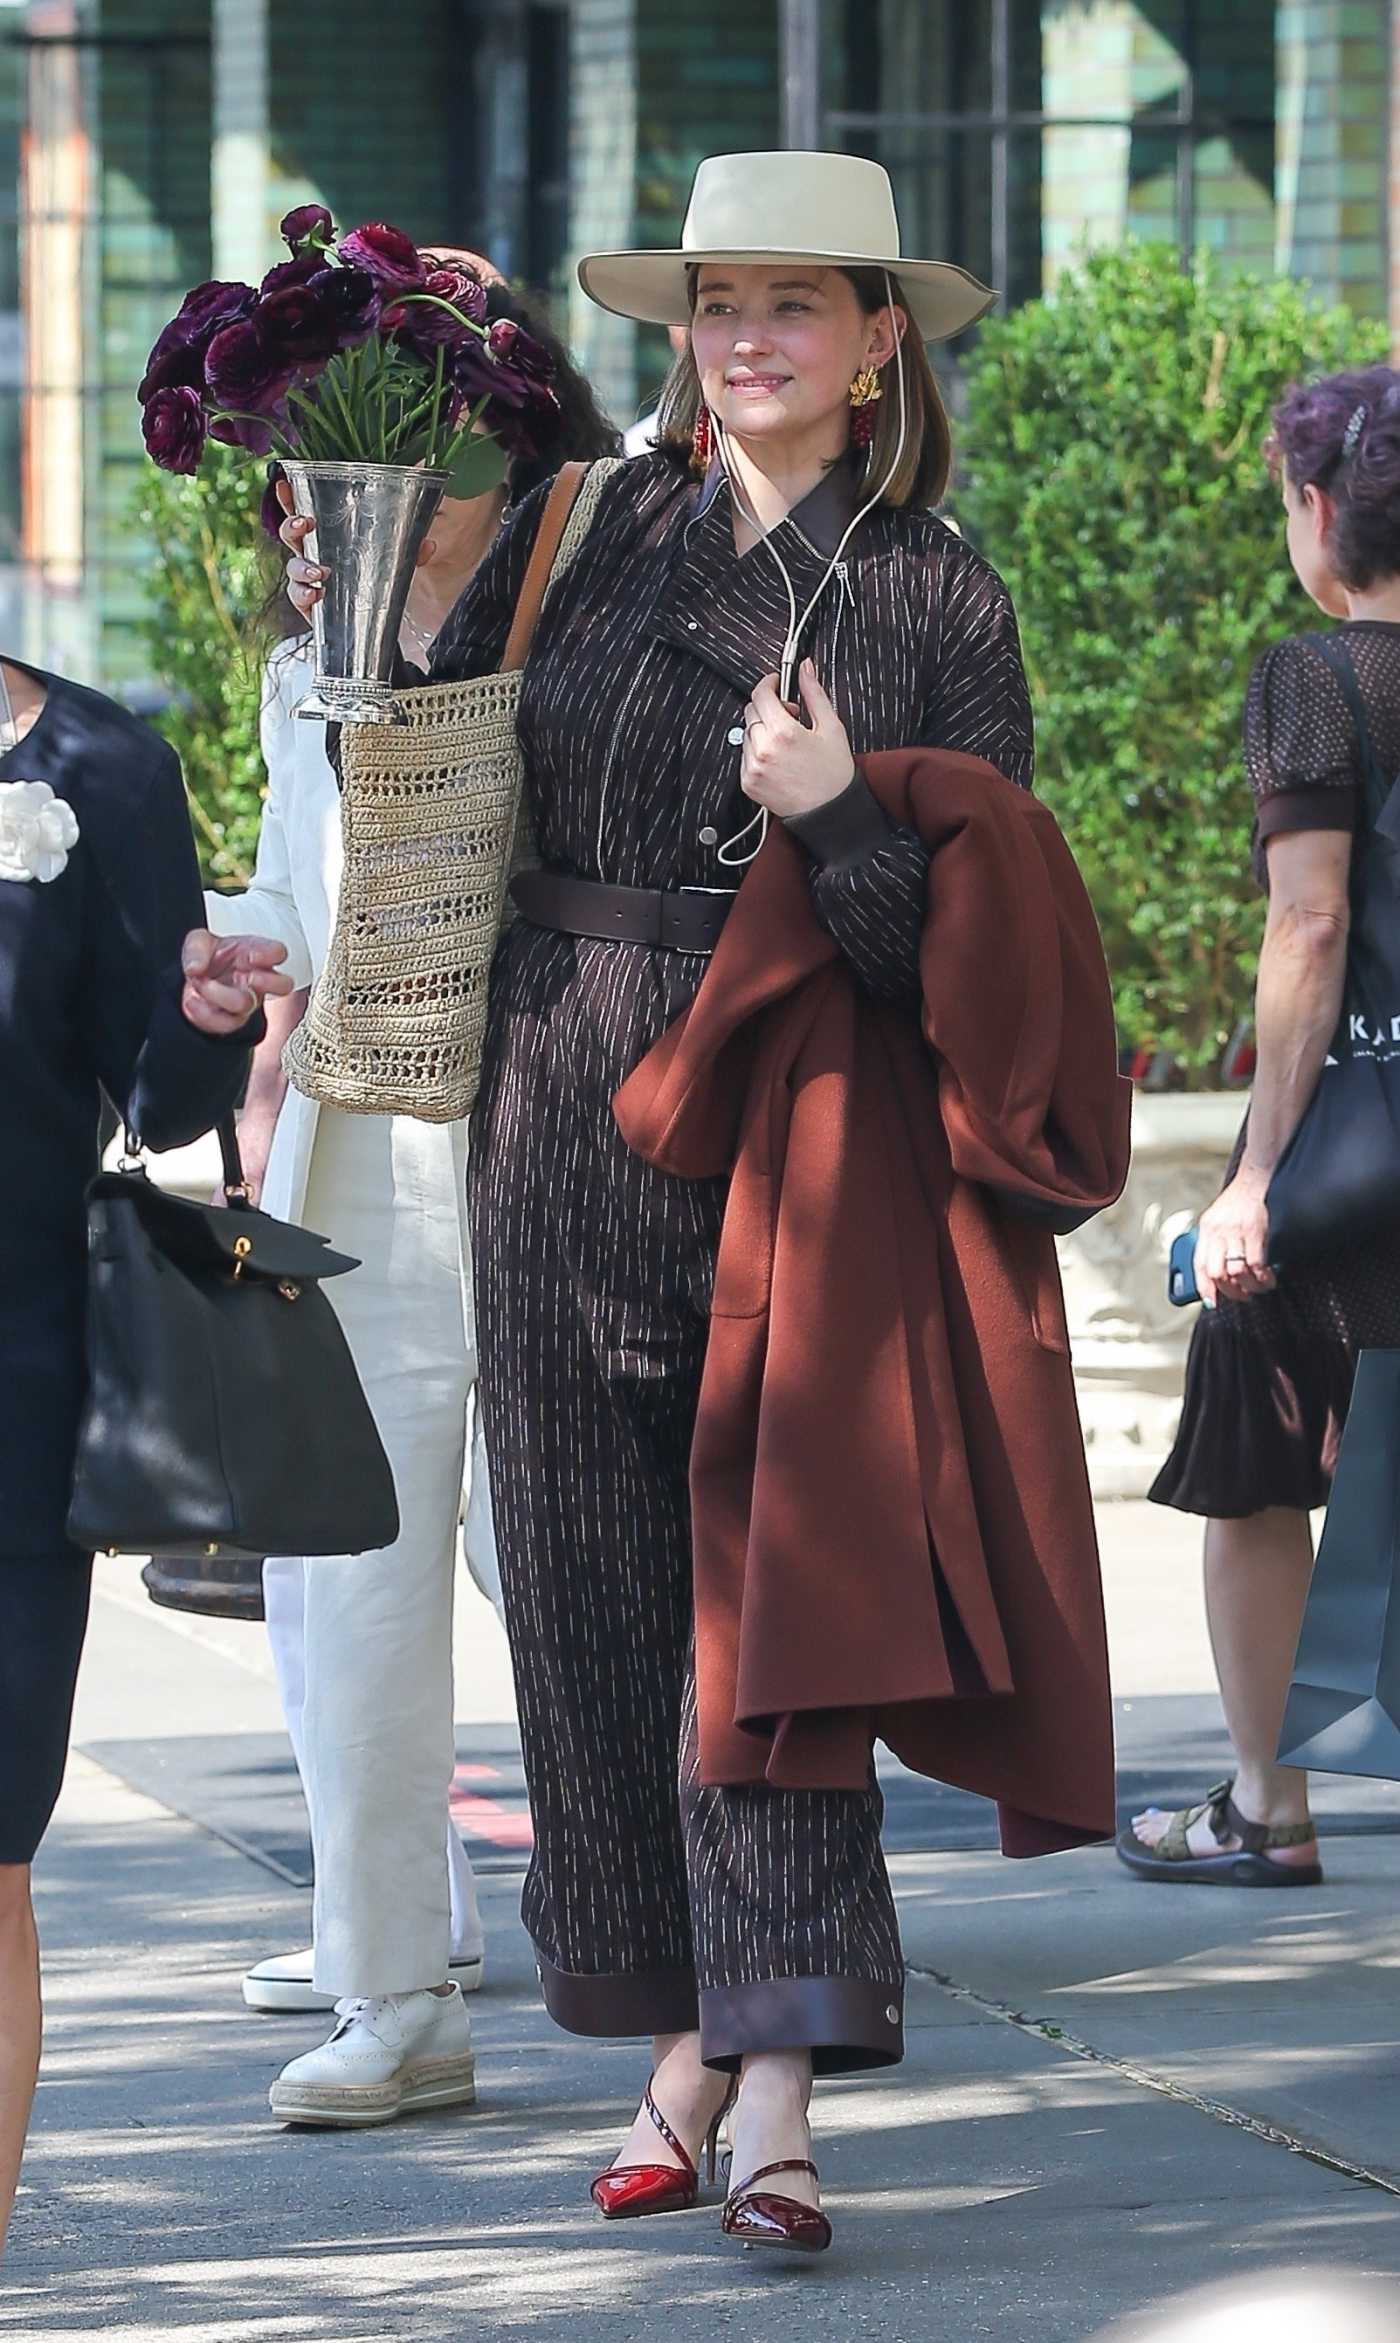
(1111,2090)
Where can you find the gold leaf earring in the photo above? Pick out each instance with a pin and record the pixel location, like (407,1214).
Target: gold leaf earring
(865,391)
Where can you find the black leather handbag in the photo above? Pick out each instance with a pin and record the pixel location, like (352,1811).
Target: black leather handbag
(224,1412)
(1338,1179)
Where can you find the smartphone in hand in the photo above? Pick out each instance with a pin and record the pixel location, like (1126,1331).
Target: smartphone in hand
(1181,1270)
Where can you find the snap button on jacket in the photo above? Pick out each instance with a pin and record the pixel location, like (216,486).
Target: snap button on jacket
(893,1531)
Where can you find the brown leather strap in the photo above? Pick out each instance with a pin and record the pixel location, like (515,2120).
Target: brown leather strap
(681,921)
(553,521)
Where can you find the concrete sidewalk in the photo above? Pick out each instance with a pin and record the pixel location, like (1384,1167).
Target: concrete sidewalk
(1111,2092)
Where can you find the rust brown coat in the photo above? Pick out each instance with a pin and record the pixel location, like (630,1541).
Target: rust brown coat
(892,1524)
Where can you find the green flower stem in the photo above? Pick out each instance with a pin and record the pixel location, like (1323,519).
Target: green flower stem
(435,407)
(334,384)
(280,446)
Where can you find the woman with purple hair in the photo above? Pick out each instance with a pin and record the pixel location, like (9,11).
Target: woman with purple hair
(1270,1373)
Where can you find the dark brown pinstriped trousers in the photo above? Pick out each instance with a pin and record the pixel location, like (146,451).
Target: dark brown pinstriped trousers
(648,1896)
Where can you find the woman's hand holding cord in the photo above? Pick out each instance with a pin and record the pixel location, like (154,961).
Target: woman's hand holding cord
(790,767)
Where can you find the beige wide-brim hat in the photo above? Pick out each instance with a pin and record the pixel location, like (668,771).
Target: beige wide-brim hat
(831,211)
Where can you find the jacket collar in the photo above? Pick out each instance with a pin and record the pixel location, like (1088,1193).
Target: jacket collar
(821,517)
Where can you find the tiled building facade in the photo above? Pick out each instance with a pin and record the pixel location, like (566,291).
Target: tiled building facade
(162,139)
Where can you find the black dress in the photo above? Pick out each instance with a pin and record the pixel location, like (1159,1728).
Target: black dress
(1268,1382)
(89,1002)
(764,1915)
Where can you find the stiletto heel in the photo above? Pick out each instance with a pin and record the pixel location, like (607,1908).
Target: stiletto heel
(629,2191)
(758,2216)
(712,2136)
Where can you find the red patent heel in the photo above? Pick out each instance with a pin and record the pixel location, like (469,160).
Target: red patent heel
(628,2191)
(758,2216)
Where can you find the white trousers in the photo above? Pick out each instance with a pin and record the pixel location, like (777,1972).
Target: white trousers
(362,1643)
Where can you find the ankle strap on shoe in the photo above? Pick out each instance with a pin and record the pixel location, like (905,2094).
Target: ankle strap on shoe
(766,2172)
(677,2147)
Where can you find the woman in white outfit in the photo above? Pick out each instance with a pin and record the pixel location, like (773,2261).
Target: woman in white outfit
(362,1644)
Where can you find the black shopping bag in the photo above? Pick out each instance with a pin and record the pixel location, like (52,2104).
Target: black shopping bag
(1343,1712)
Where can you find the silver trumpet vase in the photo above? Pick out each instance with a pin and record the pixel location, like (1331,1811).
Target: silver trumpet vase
(371,520)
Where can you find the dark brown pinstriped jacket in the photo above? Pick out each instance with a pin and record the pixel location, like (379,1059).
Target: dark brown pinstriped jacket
(893,1530)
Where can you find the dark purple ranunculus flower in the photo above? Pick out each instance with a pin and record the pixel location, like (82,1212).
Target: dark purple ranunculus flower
(291,272)
(512,371)
(297,326)
(427,324)
(243,372)
(178,356)
(351,298)
(175,360)
(220,302)
(392,258)
(519,350)
(308,220)
(174,429)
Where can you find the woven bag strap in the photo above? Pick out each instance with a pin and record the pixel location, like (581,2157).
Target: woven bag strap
(553,522)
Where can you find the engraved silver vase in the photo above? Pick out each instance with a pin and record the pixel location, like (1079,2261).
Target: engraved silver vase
(371,520)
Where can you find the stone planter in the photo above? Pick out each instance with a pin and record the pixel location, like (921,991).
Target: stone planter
(1129,1343)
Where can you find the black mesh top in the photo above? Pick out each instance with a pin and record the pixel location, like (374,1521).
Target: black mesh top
(1299,739)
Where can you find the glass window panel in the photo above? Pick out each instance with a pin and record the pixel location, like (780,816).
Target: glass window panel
(909,56)
(1235,64)
(1234,190)
(943,188)
(1091,178)
(1108,62)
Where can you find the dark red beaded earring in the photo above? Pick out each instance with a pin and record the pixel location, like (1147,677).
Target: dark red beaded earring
(702,445)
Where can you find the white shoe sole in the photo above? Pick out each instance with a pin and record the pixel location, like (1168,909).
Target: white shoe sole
(276,1996)
(431,2082)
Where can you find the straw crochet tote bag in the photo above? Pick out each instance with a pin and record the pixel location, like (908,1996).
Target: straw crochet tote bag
(434,826)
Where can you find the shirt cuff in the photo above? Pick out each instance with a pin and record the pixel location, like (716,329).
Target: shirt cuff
(1333,807)
(846,829)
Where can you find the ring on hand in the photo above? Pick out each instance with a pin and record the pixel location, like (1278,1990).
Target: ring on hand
(1237,1260)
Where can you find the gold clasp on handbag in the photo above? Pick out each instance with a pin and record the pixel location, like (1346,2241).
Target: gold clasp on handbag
(242,1247)
(288,1291)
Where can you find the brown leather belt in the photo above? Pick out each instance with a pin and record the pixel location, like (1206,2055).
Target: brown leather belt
(688,920)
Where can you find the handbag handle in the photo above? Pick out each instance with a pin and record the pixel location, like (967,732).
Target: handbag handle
(1375,788)
(235,1185)
(226,1131)
(553,521)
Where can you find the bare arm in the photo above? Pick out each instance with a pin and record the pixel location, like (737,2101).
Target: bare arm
(1298,998)
(267,1087)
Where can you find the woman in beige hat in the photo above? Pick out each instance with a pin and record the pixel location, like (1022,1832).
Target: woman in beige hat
(779,545)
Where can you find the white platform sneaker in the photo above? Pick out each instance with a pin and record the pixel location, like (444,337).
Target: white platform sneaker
(283,1982)
(385,2056)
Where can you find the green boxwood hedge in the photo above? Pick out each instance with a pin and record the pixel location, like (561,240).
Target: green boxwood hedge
(207,576)
(1114,475)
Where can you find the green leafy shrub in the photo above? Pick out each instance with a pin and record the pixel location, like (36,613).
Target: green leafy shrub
(206,580)
(1115,477)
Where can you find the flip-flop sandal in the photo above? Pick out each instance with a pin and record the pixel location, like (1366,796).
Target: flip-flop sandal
(1247,1865)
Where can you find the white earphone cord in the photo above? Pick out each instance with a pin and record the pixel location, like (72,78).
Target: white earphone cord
(796,626)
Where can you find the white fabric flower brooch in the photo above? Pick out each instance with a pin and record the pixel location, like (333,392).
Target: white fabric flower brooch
(37,831)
